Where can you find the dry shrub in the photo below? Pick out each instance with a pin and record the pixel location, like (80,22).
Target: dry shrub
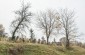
(19,50)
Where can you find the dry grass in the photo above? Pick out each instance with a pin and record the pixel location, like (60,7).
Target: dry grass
(41,49)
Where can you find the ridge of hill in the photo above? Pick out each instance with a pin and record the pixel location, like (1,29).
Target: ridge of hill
(39,49)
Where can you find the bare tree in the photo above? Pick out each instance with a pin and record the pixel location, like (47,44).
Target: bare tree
(47,21)
(23,18)
(67,20)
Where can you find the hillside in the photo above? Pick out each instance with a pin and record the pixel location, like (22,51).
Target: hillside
(39,49)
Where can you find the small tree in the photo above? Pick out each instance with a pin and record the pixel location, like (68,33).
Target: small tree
(54,40)
(1,30)
(43,40)
(31,34)
(39,41)
(18,25)
(63,40)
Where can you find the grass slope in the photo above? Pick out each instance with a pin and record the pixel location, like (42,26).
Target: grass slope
(39,49)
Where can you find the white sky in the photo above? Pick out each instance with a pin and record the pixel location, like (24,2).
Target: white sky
(7,8)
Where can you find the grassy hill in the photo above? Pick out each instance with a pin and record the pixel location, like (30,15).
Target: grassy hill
(40,49)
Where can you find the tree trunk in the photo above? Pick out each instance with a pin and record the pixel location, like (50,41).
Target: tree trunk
(13,36)
(47,40)
(67,41)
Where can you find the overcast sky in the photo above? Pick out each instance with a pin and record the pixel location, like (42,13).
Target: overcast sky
(7,8)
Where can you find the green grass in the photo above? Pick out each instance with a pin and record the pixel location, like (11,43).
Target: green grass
(40,49)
